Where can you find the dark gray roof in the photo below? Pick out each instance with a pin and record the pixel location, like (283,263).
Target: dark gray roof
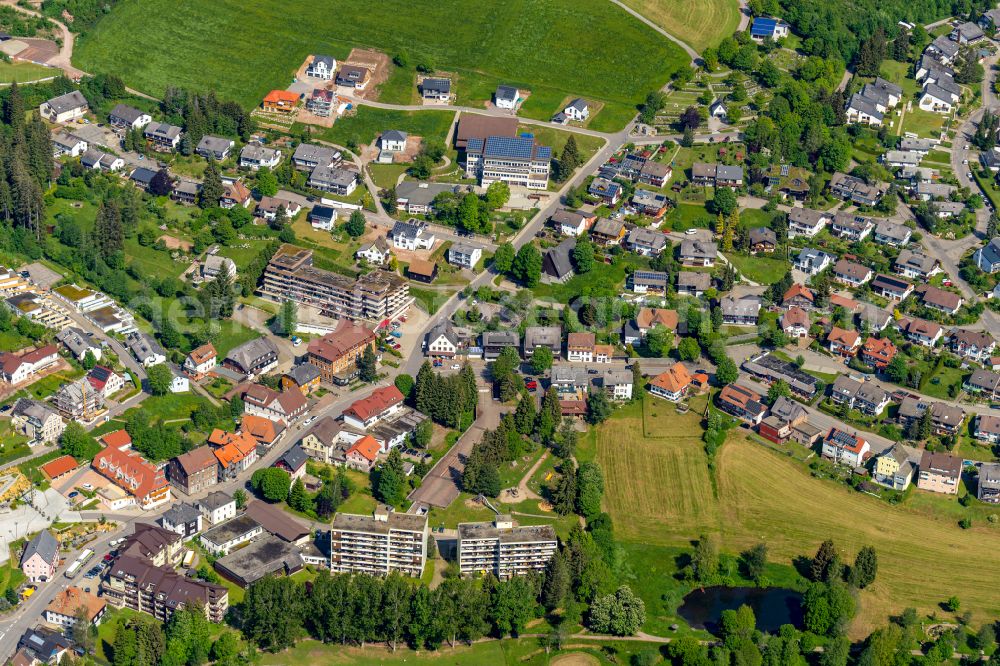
(864,105)
(506,92)
(126,113)
(443,328)
(436,85)
(308,152)
(214,144)
(68,102)
(304,373)
(557,259)
(294,457)
(45,545)
(247,354)
(179,513)
(393,135)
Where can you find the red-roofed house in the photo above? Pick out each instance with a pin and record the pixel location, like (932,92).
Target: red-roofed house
(799,295)
(201,360)
(105,381)
(285,407)
(381,403)
(362,454)
(280,101)
(844,448)
(877,352)
(795,322)
(671,385)
(234,451)
(134,474)
(265,431)
(18,368)
(843,342)
(235,194)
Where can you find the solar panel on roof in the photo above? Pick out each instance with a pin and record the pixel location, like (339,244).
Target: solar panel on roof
(509,147)
(784,169)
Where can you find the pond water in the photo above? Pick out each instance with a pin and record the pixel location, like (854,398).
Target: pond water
(772,606)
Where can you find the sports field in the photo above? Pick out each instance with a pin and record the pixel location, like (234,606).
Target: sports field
(243,49)
(697,23)
(668,500)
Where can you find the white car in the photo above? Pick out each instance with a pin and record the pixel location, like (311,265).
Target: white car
(87,486)
(969,175)
(691,232)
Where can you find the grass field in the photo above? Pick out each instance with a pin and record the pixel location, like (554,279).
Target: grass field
(531,43)
(792,516)
(762,270)
(24,71)
(510,652)
(697,23)
(369,122)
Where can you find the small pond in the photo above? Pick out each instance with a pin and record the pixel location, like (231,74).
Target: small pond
(773,606)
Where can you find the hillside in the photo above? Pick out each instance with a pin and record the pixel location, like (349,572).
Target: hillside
(556,48)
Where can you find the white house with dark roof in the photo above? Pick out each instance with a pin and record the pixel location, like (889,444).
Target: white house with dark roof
(68,145)
(392,141)
(254,156)
(65,108)
(812,261)
(322,67)
(125,117)
(987,258)
(577,110)
(864,111)
(412,234)
(806,222)
(435,89)
(891,233)
(215,147)
(506,97)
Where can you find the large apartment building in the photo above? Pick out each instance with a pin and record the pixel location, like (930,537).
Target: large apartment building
(136,583)
(503,549)
(378,544)
(517,161)
(377,296)
(337,352)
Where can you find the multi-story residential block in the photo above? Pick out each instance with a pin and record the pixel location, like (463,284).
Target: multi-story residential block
(504,549)
(36,421)
(163,137)
(136,583)
(464,255)
(977,346)
(939,473)
(334,180)
(64,108)
(376,296)
(618,384)
(124,117)
(441,340)
(201,360)
(234,451)
(194,470)
(308,156)
(381,404)
(379,544)
(894,469)
(806,222)
(741,311)
(517,161)
(284,406)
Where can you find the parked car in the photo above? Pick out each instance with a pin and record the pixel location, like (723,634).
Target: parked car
(456,366)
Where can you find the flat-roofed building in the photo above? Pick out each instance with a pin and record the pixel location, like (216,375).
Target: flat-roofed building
(376,296)
(378,544)
(504,549)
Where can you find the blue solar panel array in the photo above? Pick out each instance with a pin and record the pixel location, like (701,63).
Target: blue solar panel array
(502,146)
(763,27)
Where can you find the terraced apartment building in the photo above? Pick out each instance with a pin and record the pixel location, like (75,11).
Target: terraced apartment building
(503,549)
(378,544)
(376,296)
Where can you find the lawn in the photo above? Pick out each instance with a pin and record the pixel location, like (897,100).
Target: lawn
(364,126)
(507,652)
(925,124)
(698,23)
(530,43)
(763,495)
(25,71)
(386,175)
(556,139)
(946,377)
(762,270)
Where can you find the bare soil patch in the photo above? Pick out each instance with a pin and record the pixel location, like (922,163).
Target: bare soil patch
(574,659)
(377,63)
